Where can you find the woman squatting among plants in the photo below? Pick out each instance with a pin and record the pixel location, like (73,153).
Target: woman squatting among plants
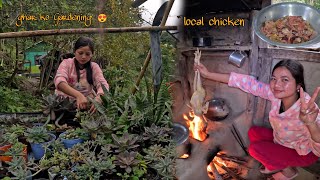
(79,77)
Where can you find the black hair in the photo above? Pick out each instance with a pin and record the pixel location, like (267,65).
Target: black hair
(82,42)
(295,68)
(67,55)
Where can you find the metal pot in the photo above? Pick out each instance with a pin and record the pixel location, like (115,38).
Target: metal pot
(218,110)
(180,135)
(201,41)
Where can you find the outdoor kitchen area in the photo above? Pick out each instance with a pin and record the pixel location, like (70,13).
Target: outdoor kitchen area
(217,146)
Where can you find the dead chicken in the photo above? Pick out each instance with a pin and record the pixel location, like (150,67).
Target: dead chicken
(199,94)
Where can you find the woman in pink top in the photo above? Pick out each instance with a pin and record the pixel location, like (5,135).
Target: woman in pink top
(79,78)
(294,139)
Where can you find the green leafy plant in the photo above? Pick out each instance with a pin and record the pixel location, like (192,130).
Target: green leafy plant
(13,100)
(77,133)
(16,147)
(165,167)
(154,153)
(8,138)
(157,134)
(127,160)
(15,150)
(54,103)
(97,122)
(17,129)
(37,134)
(162,159)
(125,142)
(60,159)
(18,168)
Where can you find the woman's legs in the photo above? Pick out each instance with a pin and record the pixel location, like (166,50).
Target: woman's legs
(274,156)
(257,134)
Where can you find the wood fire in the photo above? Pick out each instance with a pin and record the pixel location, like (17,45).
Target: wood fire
(197,126)
(184,156)
(224,167)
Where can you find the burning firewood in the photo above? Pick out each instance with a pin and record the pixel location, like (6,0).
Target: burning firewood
(237,160)
(230,172)
(213,170)
(198,96)
(231,158)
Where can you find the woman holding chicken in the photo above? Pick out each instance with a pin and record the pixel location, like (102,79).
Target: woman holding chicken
(294,139)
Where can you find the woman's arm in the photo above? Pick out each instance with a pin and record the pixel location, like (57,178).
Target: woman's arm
(81,99)
(98,82)
(246,83)
(224,78)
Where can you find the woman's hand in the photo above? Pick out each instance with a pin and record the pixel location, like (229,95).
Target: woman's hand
(202,69)
(308,111)
(82,102)
(93,109)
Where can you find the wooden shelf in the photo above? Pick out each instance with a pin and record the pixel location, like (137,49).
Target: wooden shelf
(188,51)
(217,48)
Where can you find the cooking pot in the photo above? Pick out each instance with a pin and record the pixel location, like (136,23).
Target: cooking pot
(201,41)
(218,110)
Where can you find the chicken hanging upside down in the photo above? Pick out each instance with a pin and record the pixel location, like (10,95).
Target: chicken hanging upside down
(199,94)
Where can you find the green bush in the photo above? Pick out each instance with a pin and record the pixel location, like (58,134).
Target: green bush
(13,100)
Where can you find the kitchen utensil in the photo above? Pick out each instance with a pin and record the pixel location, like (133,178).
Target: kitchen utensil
(237,58)
(218,110)
(180,136)
(201,41)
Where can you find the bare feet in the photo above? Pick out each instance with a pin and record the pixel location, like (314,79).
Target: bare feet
(285,174)
(289,172)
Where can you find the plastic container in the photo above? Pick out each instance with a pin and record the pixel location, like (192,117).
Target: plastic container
(9,158)
(38,149)
(69,143)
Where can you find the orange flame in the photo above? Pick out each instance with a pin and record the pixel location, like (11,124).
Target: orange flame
(185,156)
(220,161)
(209,168)
(196,126)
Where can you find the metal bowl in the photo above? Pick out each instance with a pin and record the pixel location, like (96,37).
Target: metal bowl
(180,133)
(277,11)
(180,136)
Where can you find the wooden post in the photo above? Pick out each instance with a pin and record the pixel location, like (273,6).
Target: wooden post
(147,60)
(84,31)
(156,62)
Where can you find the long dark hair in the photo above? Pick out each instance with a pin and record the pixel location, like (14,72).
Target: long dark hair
(82,42)
(295,68)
